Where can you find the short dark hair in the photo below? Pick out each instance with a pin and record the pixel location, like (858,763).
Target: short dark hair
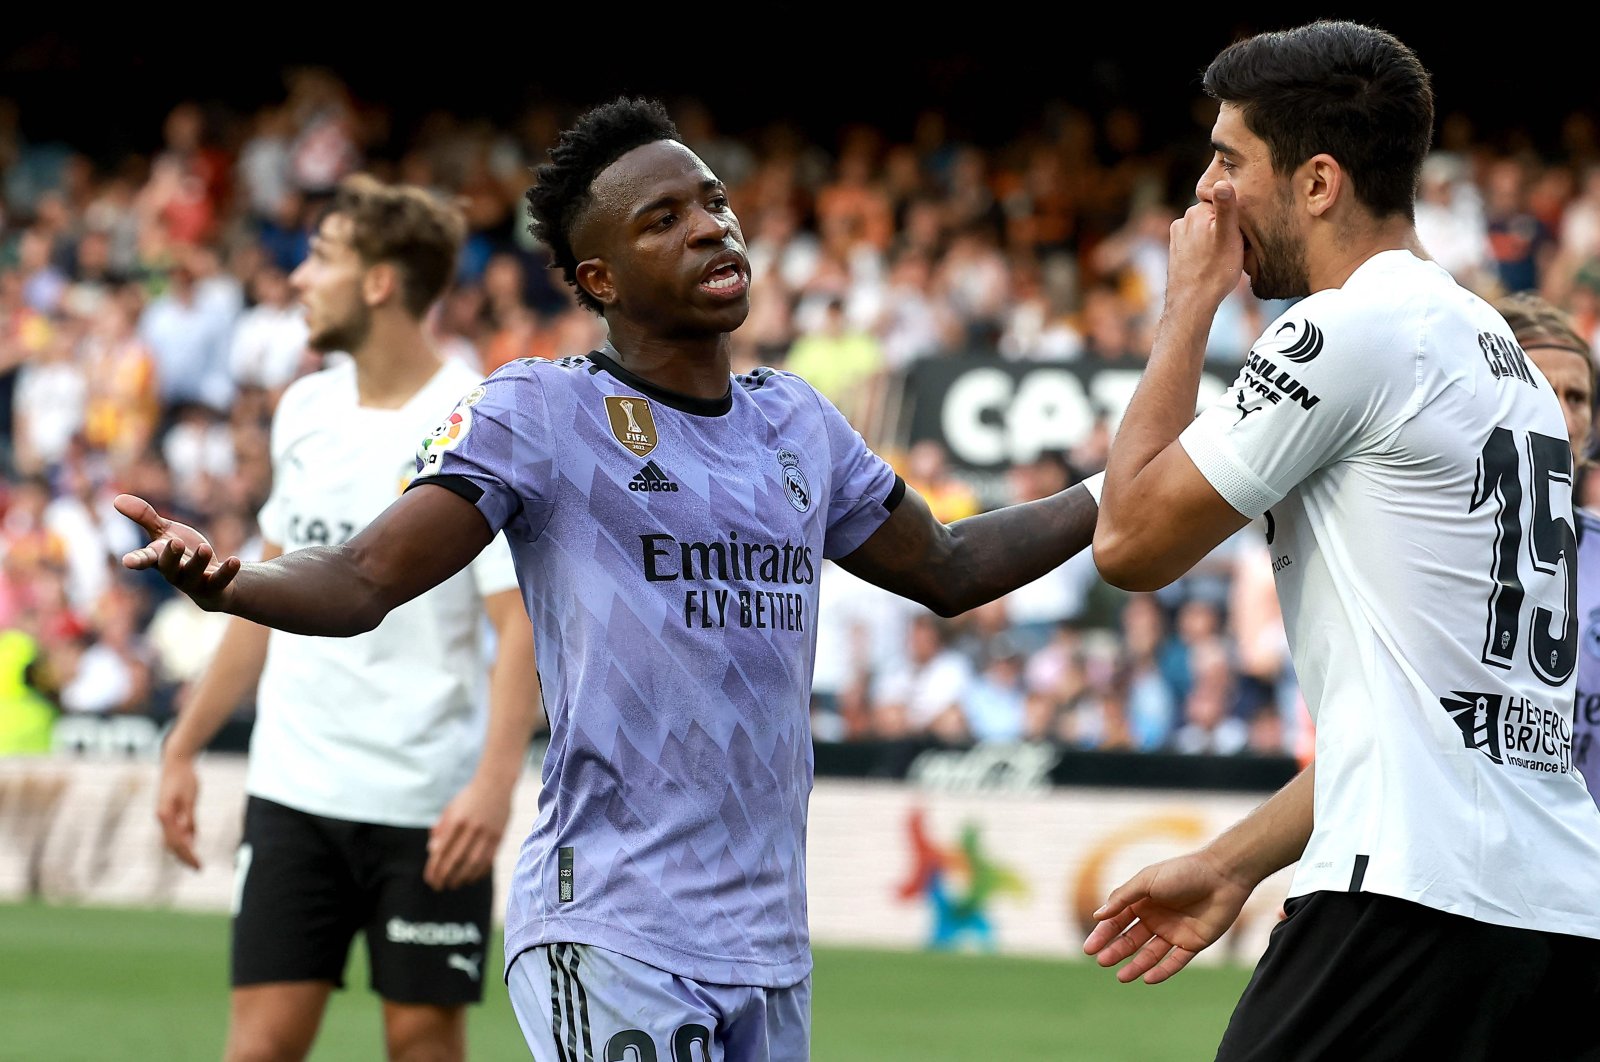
(599,137)
(1353,91)
(408,226)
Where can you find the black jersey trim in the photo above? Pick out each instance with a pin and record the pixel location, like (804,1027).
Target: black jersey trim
(699,407)
(1358,874)
(460,485)
(897,494)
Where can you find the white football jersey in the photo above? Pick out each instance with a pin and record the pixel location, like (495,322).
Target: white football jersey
(1415,477)
(386,726)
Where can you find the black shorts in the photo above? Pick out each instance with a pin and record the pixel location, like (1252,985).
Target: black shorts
(306,884)
(1355,975)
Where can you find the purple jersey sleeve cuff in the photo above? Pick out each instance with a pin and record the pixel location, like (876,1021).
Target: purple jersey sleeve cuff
(460,485)
(897,494)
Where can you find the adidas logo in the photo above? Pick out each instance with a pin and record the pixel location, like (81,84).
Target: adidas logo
(650,478)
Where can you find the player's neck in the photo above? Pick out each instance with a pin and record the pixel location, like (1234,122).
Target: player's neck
(1343,254)
(395,362)
(696,368)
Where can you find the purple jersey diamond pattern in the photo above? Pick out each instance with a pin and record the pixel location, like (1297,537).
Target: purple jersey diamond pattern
(674,608)
(1586,721)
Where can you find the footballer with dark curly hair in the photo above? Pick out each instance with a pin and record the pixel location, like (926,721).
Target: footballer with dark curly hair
(669,521)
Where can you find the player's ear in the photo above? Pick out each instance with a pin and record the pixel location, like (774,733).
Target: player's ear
(380,283)
(1322,183)
(594,277)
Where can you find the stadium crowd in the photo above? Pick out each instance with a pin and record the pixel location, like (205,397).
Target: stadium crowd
(148,326)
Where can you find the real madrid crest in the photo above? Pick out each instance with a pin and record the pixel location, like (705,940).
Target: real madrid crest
(795,487)
(632,423)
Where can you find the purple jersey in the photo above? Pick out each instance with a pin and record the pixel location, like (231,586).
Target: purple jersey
(668,549)
(1586,721)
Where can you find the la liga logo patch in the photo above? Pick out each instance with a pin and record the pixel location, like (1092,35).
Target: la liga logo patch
(446,437)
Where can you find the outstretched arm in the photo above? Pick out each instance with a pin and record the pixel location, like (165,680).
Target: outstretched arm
(955,567)
(415,544)
(1170,911)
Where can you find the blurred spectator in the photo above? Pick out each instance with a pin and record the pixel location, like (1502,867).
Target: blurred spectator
(112,673)
(1266,677)
(199,450)
(1096,714)
(458,324)
(972,210)
(1450,221)
(43,282)
(324,147)
(1578,250)
(767,333)
(1197,624)
(780,247)
(1110,335)
(1135,257)
(285,235)
(1145,696)
(862,633)
(1062,594)
(268,348)
(265,163)
(923,697)
(1041,205)
(1209,724)
(1520,242)
(729,157)
(927,471)
(994,703)
(511,328)
(1580,220)
(1240,321)
(78,513)
(50,403)
(27,716)
(1266,734)
(112,212)
(515,334)
(853,201)
(93,280)
(912,320)
(27,538)
(189,180)
(1090,452)
(975,279)
(189,335)
(839,360)
(30,167)
(123,405)
(575,331)
(1042,324)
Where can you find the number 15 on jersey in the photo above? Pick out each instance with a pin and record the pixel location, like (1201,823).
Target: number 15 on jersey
(1551,544)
